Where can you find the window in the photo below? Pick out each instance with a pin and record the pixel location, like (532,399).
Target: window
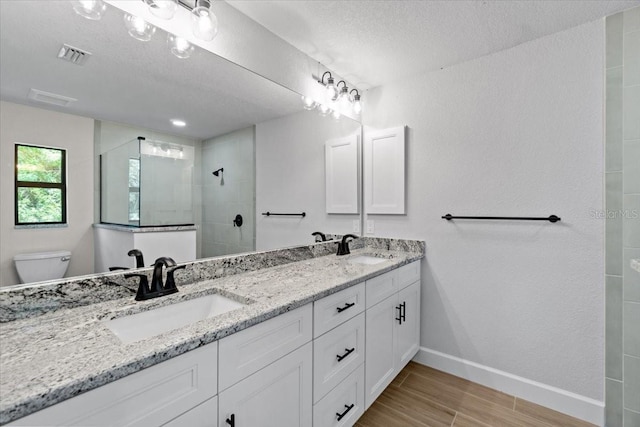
(134,190)
(41,185)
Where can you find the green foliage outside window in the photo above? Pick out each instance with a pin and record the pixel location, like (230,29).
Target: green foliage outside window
(40,185)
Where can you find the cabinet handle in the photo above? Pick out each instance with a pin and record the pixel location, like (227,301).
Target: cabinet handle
(404,311)
(232,420)
(348,352)
(399,318)
(346,306)
(346,411)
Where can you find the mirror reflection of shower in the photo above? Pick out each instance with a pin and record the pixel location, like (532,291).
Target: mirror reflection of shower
(218,173)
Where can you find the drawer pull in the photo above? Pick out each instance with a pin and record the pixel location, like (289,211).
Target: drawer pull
(348,352)
(232,420)
(399,318)
(346,411)
(403,311)
(346,306)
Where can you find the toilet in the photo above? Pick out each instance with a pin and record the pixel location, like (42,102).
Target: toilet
(41,266)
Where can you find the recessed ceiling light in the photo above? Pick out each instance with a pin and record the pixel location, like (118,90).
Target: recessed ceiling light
(179,123)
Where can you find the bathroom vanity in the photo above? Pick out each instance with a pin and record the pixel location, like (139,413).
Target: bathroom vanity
(312,341)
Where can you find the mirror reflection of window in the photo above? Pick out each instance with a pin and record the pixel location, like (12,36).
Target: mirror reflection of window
(134,191)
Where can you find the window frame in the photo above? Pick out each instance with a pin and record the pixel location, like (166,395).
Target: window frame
(62,185)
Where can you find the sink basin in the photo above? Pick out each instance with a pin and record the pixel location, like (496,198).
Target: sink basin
(366,259)
(150,323)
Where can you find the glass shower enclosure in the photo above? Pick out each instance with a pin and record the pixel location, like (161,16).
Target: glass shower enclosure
(147,183)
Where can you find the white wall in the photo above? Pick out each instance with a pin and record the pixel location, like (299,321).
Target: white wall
(516,133)
(229,194)
(290,178)
(36,126)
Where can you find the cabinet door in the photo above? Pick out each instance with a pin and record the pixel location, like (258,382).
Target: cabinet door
(380,344)
(276,396)
(203,415)
(409,330)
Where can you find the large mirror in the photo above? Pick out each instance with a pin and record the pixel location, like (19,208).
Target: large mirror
(268,152)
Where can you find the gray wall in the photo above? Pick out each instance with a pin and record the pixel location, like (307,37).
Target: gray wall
(622,219)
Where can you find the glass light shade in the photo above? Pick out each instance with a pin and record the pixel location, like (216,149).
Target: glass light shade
(139,28)
(331,91)
(308,103)
(344,101)
(335,114)
(357,105)
(164,9)
(324,110)
(204,23)
(180,46)
(90,9)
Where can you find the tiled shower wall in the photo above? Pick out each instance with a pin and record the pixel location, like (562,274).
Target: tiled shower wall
(622,177)
(230,194)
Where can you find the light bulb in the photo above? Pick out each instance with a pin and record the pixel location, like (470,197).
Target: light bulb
(335,114)
(164,9)
(180,46)
(139,28)
(323,110)
(204,21)
(90,9)
(331,91)
(343,101)
(357,105)
(308,103)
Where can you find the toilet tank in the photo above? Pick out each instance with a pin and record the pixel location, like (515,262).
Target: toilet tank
(41,266)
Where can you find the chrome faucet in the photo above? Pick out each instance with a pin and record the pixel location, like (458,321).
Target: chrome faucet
(343,246)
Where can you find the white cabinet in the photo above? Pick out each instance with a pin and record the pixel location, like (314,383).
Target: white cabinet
(337,308)
(336,354)
(151,397)
(409,329)
(203,415)
(392,330)
(278,395)
(384,171)
(250,350)
(344,404)
(341,175)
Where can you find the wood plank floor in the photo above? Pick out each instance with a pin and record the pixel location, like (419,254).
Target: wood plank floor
(422,396)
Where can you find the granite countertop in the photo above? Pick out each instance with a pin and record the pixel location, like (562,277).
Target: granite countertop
(635,264)
(61,354)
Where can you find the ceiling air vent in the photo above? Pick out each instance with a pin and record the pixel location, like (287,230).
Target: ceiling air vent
(50,98)
(73,54)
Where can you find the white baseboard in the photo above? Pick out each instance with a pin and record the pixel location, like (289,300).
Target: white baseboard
(555,398)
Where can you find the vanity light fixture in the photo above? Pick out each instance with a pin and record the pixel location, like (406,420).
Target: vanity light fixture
(138,28)
(331,89)
(179,123)
(344,101)
(90,9)
(204,21)
(308,103)
(338,105)
(357,105)
(180,47)
(164,9)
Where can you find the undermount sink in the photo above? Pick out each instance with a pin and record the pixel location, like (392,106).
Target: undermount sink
(147,324)
(367,260)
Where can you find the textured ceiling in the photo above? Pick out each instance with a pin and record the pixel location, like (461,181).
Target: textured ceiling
(125,80)
(370,43)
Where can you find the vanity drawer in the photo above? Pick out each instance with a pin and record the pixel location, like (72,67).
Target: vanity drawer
(381,287)
(340,400)
(408,274)
(150,397)
(336,354)
(335,309)
(250,350)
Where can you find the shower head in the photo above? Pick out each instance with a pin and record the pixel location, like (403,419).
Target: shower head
(216,173)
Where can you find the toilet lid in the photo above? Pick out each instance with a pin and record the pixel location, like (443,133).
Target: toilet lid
(41,255)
